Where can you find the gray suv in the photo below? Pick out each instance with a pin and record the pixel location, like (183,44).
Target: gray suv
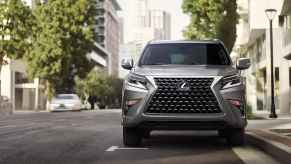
(184,85)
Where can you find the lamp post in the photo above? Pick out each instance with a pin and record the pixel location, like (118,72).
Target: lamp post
(271,13)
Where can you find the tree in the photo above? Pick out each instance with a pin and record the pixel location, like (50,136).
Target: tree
(16,24)
(212,19)
(97,84)
(116,96)
(64,35)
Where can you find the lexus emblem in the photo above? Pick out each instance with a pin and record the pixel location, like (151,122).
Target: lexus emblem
(183,86)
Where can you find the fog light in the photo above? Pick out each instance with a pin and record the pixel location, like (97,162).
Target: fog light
(131,103)
(236,103)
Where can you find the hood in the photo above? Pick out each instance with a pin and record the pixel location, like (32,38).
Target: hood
(170,70)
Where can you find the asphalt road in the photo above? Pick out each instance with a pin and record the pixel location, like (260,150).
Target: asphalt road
(96,137)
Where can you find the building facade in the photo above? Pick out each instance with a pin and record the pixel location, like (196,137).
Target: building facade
(254,42)
(153,22)
(161,21)
(108,32)
(26,94)
(285,65)
(146,24)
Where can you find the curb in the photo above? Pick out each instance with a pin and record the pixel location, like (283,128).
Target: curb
(277,150)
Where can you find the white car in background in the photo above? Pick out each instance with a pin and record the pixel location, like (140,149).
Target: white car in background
(66,102)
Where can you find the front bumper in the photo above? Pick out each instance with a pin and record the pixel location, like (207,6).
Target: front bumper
(57,108)
(230,117)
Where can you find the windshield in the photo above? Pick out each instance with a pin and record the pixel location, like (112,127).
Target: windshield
(185,54)
(66,97)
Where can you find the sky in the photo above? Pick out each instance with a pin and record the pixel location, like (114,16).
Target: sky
(179,19)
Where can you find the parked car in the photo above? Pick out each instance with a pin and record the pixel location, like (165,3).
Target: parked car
(189,85)
(66,102)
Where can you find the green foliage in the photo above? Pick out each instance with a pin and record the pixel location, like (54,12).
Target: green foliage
(63,36)
(212,19)
(15,29)
(249,112)
(114,100)
(106,88)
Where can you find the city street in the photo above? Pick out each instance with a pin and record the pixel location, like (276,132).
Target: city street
(183,65)
(96,137)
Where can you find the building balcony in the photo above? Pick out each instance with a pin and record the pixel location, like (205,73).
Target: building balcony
(99,55)
(100,20)
(100,39)
(100,5)
(100,11)
(100,30)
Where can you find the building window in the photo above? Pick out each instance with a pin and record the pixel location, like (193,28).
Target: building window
(277,80)
(21,78)
(281,20)
(277,86)
(259,49)
(287,29)
(277,74)
(288,21)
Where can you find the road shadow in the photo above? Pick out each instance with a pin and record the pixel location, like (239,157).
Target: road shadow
(178,147)
(185,139)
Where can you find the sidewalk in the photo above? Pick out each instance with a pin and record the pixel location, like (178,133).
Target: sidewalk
(272,135)
(5,108)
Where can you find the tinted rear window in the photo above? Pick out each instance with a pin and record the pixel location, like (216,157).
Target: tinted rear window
(185,54)
(65,97)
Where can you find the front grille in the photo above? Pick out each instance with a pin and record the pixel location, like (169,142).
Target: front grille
(183,95)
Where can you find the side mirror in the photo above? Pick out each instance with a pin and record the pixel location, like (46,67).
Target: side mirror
(127,63)
(243,63)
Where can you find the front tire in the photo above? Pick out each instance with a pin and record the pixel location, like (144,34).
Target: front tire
(131,137)
(236,137)
(222,133)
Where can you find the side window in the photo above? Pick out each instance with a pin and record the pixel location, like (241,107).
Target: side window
(222,56)
(217,55)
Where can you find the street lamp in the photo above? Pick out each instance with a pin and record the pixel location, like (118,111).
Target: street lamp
(271,13)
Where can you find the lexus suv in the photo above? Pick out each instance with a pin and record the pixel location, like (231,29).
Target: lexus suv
(184,85)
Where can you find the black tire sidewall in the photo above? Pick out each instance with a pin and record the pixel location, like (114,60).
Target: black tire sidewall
(131,137)
(236,137)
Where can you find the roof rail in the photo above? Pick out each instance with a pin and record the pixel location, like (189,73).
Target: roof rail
(150,41)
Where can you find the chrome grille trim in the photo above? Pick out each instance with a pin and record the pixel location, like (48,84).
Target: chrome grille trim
(169,99)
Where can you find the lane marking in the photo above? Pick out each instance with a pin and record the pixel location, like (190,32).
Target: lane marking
(113,148)
(8,126)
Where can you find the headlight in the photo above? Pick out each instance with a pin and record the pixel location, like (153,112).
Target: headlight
(231,81)
(137,81)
